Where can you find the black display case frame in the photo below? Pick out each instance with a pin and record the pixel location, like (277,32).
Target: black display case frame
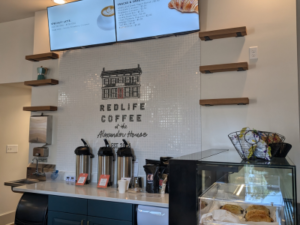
(187,183)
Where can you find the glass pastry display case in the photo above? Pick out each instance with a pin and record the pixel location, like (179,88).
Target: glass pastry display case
(218,187)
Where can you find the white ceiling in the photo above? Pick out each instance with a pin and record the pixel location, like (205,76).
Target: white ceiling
(19,9)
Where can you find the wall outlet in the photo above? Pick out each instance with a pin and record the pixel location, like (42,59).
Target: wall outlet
(253,52)
(12,148)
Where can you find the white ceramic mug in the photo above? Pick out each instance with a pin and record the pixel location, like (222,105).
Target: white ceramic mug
(122,186)
(106,19)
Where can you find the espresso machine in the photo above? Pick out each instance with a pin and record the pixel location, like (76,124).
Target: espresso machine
(84,157)
(125,161)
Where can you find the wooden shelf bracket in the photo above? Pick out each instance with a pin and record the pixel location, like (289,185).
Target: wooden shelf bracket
(224,101)
(39,108)
(35,83)
(223,33)
(241,66)
(40,57)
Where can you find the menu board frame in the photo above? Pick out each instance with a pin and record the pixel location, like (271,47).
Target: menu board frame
(116,35)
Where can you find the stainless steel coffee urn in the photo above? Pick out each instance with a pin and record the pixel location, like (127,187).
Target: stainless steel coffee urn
(124,161)
(106,160)
(84,157)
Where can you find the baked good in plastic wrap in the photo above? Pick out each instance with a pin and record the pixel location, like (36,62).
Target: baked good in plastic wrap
(258,207)
(204,205)
(235,209)
(257,215)
(215,215)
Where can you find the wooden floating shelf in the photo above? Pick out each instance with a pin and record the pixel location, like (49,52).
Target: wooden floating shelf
(41,57)
(35,83)
(241,66)
(223,33)
(40,108)
(224,101)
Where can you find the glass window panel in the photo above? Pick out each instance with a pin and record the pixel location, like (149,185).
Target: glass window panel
(114,93)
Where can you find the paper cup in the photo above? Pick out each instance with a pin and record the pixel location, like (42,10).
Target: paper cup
(122,186)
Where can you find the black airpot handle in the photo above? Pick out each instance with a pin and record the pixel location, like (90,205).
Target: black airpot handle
(106,143)
(125,142)
(85,144)
(127,145)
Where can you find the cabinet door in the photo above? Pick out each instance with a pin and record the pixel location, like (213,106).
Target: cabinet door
(59,218)
(105,221)
(67,205)
(111,210)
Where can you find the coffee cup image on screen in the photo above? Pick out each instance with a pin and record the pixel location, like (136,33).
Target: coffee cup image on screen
(106,19)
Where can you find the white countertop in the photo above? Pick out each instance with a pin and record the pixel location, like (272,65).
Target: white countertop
(90,191)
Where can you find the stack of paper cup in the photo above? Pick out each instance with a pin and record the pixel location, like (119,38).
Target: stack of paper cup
(123,185)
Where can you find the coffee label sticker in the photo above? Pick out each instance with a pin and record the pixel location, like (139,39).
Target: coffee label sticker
(82,179)
(103,181)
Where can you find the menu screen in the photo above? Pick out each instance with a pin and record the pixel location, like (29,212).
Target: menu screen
(81,23)
(94,22)
(147,18)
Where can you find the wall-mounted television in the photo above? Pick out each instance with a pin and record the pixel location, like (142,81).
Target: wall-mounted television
(96,22)
(81,23)
(136,19)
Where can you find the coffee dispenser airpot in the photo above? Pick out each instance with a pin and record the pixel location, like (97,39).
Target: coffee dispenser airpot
(125,161)
(105,162)
(84,157)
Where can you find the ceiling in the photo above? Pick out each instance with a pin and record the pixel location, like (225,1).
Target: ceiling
(19,9)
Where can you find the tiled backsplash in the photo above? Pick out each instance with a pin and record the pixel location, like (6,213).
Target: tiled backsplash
(170,91)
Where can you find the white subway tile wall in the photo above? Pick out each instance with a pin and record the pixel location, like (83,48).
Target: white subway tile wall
(170,89)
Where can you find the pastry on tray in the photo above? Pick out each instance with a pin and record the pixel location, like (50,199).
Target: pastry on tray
(203,204)
(256,215)
(235,209)
(258,207)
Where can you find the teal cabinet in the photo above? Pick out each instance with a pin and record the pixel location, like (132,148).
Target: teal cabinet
(105,221)
(68,205)
(77,211)
(111,210)
(59,218)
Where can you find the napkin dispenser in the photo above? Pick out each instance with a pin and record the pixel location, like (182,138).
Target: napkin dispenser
(40,129)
